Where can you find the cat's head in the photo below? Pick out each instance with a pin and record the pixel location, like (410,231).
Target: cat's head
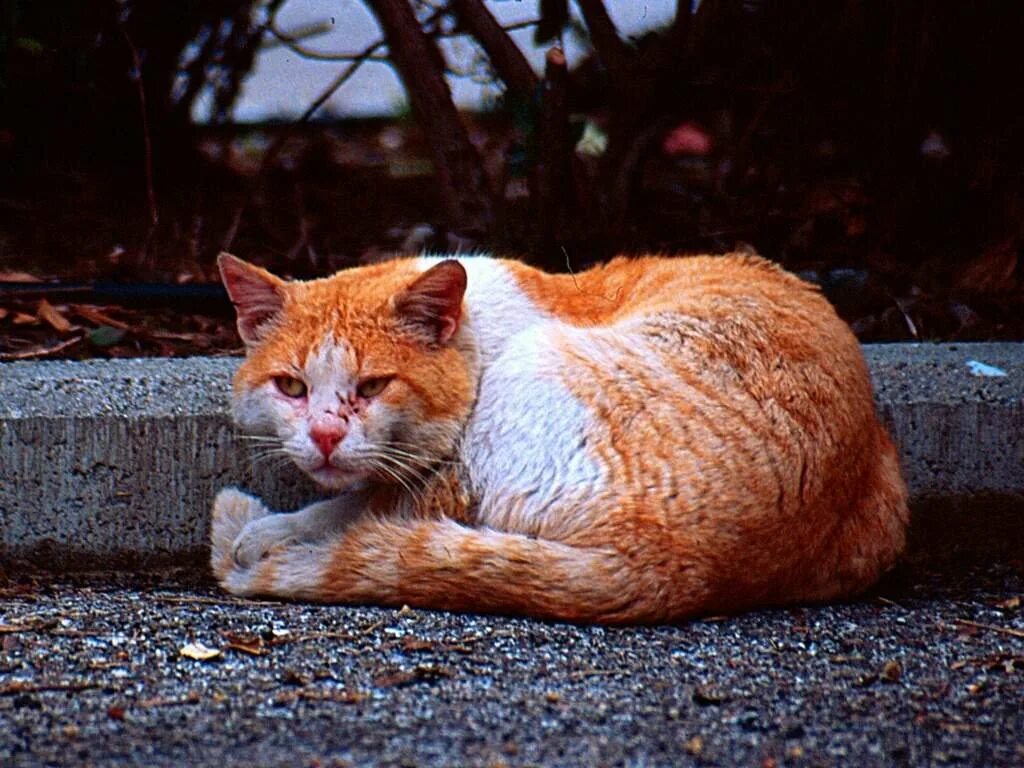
(362,376)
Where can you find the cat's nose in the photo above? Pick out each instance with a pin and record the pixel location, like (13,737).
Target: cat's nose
(327,437)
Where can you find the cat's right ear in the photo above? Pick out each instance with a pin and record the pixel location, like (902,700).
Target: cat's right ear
(258,296)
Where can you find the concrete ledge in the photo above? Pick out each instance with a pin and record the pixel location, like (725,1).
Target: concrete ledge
(114,463)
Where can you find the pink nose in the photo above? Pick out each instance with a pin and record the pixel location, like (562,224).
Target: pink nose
(327,437)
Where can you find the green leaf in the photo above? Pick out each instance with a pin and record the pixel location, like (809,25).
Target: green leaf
(30,45)
(105,336)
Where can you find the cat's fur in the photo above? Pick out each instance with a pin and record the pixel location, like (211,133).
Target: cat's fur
(649,440)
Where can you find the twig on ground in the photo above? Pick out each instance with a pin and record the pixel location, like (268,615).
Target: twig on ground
(20,686)
(43,351)
(992,628)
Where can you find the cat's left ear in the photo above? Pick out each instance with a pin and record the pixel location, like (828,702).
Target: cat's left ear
(258,296)
(432,306)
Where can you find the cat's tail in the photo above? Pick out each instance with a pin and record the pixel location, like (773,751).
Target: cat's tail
(441,564)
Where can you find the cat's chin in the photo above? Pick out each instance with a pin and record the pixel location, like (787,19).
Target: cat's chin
(335,478)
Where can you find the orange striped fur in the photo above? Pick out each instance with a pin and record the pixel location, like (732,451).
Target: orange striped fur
(650,440)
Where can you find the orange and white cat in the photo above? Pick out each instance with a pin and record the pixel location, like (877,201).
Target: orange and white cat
(652,439)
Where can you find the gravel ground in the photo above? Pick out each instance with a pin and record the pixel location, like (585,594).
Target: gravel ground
(928,670)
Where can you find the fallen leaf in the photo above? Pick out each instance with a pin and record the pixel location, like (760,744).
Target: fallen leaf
(94,315)
(105,336)
(1009,605)
(253,649)
(21,318)
(4,313)
(245,643)
(199,652)
(291,677)
(50,314)
(892,671)
(694,746)
(115,713)
(18,277)
(410,643)
(992,271)
(422,673)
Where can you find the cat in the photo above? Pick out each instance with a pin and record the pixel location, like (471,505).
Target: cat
(653,439)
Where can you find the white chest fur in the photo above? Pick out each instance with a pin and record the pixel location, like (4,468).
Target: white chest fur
(525,444)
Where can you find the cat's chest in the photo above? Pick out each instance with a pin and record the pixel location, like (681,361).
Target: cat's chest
(526,445)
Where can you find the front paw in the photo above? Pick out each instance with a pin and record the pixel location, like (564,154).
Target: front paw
(232,511)
(262,535)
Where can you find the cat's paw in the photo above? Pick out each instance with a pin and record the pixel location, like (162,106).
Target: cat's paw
(262,535)
(232,511)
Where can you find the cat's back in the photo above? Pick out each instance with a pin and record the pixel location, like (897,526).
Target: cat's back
(737,308)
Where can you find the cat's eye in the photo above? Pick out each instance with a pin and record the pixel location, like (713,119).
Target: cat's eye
(290,386)
(373,386)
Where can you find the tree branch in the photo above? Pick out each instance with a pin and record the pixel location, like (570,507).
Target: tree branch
(459,172)
(680,28)
(553,174)
(154,214)
(506,58)
(610,48)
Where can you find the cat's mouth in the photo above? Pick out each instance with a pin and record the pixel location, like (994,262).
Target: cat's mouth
(335,477)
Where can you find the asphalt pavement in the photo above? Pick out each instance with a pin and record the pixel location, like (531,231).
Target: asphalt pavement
(108,670)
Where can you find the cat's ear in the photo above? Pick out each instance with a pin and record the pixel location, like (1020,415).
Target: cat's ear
(258,296)
(432,306)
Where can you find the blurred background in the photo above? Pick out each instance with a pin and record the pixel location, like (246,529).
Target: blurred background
(874,147)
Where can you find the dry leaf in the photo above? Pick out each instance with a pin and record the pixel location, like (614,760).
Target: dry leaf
(14,276)
(410,643)
(94,315)
(892,671)
(20,318)
(4,313)
(992,271)
(199,652)
(46,311)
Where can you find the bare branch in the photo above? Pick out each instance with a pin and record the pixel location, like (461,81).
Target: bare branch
(554,173)
(610,48)
(460,175)
(680,28)
(275,148)
(154,214)
(293,44)
(506,58)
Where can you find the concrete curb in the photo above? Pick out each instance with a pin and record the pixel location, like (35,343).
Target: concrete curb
(113,464)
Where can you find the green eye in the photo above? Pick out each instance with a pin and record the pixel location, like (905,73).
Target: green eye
(373,386)
(290,386)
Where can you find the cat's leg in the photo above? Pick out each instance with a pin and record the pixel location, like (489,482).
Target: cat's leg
(244,530)
(441,564)
(232,511)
